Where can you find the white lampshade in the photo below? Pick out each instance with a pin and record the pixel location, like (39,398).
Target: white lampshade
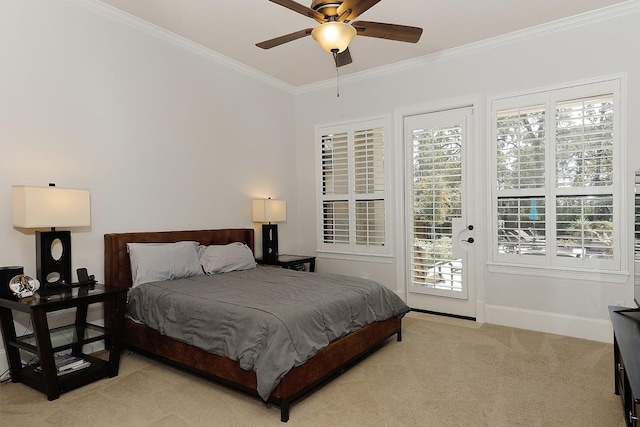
(40,207)
(334,36)
(269,210)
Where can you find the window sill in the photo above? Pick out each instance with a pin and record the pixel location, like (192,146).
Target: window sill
(350,256)
(590,275)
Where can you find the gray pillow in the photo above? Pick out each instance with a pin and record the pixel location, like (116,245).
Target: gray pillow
(154,262)
(224,258)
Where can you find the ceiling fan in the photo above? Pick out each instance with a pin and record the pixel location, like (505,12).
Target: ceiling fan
(336,29)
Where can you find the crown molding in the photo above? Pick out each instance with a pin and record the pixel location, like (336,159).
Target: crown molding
(132,21)
(587,18)
(610,12)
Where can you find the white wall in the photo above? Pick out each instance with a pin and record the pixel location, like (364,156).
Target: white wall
(603,45)
(165,137)
(168,136)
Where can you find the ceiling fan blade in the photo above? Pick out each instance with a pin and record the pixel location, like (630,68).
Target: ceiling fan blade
(357,7)
(343,58)
(297,7)
(268,44)
(379,30)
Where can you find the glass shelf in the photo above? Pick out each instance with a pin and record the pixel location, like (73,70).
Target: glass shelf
(92,333)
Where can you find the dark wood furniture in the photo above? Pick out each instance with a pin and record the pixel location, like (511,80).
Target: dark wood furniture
(293,262)
(301,380)
(626,354)
(80,333)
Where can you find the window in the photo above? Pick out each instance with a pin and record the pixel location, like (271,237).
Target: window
(556,193)
(352,195)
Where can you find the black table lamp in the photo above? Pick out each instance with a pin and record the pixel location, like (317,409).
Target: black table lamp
(51,207)
(269,211)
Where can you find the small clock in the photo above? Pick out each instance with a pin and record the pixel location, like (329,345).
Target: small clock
(23,286)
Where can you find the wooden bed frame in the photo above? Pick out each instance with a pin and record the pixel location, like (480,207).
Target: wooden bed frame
(326,364)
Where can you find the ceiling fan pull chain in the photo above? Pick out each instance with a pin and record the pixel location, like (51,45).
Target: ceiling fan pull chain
(335,59)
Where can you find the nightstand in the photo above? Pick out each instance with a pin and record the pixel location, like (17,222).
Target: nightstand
(292,262)
(49,381)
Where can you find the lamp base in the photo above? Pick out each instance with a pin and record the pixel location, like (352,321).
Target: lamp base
(270,241)
(53,258)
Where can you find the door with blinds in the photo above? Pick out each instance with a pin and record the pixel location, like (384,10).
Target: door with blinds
(439,232)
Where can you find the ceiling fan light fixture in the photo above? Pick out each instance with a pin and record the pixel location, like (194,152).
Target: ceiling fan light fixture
(334,36)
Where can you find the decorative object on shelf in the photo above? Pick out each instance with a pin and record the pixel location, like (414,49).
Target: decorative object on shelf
(84,278)
(66,364)
(43,207)
(269,211)
(23,286)
(6,274)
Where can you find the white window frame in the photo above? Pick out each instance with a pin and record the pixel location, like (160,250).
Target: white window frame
(352,251)
(615,269)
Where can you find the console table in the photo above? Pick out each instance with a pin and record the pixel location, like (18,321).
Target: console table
(626,353)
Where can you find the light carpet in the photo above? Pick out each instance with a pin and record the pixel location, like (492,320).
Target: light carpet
(445,372)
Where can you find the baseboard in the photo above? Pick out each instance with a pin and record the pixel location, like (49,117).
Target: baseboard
(3,363)
(553,323)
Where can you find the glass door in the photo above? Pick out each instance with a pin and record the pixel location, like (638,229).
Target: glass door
(439,234)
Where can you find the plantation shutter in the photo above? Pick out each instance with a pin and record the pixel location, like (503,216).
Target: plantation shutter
(584,162)
(335,164)
(369,187)
(521,150)
(335,182)
(584,142)
(336,221)
(521,134)
(436,201)
(556,191)
(353,194)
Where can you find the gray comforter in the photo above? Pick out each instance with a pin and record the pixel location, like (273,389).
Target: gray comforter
(269,319)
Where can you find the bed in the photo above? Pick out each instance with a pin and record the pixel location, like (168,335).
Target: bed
(301,379)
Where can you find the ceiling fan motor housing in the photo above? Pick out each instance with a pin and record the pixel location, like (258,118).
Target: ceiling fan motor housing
(326,7)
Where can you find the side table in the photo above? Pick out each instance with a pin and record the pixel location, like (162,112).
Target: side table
(293,262)
(626,369)
(39,342)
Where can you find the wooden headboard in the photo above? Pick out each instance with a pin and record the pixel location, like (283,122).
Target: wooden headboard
(117,269)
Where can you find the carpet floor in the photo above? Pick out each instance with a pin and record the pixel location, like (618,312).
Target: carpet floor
(445,372)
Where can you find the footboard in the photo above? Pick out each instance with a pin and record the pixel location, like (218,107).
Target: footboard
(339,356)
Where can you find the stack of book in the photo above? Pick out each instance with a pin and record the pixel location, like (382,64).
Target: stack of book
(65,364)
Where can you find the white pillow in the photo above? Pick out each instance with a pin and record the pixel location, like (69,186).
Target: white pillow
(154,262)
(224,258)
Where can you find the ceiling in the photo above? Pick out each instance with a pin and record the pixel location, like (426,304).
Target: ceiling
(233,27)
